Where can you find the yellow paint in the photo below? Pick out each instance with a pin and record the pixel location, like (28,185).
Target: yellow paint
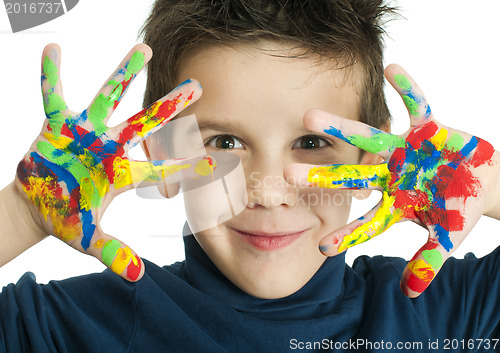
(330,177)
(121,260)
(171,169)
(97,175)
(64,229)
(121,168)
(59,142)
(382,220)
(205,166)
(439,139)
(99,244)
(40,193)
(86,193)
(149,119)
(149,172)
(421,269)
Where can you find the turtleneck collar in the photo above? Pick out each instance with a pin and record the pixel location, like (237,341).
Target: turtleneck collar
(320,295)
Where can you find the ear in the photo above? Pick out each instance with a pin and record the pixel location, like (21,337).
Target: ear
(369,158)
(166,190)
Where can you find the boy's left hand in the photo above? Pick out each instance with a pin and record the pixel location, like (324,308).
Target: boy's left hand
(438,177)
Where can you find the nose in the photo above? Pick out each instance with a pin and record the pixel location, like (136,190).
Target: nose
(266,186)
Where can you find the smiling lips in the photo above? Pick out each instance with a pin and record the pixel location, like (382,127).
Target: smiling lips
(269,241)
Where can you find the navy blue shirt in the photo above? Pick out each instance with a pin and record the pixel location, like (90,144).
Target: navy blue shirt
(191,307)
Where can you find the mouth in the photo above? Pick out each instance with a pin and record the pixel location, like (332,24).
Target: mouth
(268,241)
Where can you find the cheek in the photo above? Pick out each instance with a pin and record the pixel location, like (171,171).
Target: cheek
(215,243)
(330,206)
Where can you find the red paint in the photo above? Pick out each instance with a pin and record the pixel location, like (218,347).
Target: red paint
(459,183)
(397,160)
(406,200)
(416,284)
(164,112)
(108,167)
(168,107)
(133,270)
(67,132)
(418,135)
(484,153)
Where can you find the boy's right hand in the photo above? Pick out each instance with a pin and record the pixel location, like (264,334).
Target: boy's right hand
(78,164)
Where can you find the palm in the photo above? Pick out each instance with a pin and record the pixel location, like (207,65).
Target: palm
(78,164)
(430,176)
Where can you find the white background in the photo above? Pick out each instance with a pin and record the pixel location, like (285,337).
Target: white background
(449,47)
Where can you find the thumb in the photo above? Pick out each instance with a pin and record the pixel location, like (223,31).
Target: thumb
(423,268)
(117,256)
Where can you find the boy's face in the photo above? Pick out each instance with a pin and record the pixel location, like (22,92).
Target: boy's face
(252,105)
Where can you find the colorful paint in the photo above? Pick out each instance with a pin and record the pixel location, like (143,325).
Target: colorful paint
(73,168)
(205,166)
(425,169)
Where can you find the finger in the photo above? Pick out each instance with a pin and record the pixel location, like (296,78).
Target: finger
(128,174)
(353,132)
(375,222)
(412,95)
(53,101)
(111,93)
(146,122)
(117,256)
(423,268)
(338,176)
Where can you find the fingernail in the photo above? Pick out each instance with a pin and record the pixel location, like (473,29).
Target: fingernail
(324,248)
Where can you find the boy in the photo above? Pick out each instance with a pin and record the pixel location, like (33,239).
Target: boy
(258,282)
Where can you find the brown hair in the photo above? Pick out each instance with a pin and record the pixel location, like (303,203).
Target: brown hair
(348,31)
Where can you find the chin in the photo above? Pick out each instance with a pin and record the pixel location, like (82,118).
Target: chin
(267,269)
(275,284)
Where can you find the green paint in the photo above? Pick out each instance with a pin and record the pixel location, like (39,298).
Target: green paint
(135,64)
(116,93)
(72,165)
(64,160)
(433,257)
(403,82)
(411,104)
(54,106)
(378,142)
(455,143)
(50,71)
(109,251)
(98,112)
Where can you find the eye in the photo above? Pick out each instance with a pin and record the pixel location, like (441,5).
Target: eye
(311,142)
(224,142)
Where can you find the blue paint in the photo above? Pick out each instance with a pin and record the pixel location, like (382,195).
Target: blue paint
(443,237)
(469,147)
(61,173)
(88,228)
(336,132)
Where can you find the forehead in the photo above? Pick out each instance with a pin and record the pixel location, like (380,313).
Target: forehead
(268,82)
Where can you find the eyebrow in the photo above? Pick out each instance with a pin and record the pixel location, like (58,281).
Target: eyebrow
(233,126)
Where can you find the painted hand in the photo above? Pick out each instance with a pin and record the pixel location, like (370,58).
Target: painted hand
(433,175)
(78,164)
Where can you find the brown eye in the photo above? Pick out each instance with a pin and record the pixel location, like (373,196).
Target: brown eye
(310,142)
(224,142)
